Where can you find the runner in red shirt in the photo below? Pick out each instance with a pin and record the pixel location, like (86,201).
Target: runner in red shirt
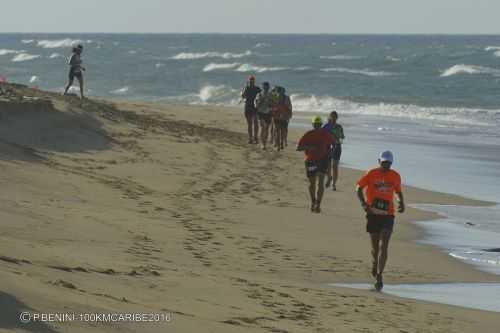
(376,191)
(315,144)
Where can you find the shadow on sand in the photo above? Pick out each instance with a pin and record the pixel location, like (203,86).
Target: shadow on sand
(10,311)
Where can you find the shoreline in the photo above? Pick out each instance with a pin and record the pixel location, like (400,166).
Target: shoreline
(445,199)
(210,216)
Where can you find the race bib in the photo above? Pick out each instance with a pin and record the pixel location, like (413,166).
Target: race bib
(380,206)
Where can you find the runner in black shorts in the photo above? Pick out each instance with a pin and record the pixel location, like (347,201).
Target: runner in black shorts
(376,190)
(76,69)
(249,94)
(315,144)
(313,168)
(264,103)
(336,150)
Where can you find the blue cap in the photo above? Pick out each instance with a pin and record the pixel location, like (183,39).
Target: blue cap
(386,156)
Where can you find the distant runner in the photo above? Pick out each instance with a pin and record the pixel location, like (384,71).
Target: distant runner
(336,150)
(282,112)
(264,103)
(249,94)
(76,69)
(315,144)
(376,191)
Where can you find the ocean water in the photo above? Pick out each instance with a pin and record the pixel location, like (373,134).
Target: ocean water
(480,296)
(433,100)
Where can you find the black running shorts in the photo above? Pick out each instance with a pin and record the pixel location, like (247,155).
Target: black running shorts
(377,223)
(315,167)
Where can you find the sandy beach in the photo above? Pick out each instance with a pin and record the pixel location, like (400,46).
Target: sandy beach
(129,207)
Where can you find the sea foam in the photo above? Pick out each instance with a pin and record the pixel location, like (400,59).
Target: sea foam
(24,57)
(245,68)
(54,44)
(7,51)
(121,91)
(213,66)
(462,116)
(365,72)
(341,57)
(470,69)
(224,55)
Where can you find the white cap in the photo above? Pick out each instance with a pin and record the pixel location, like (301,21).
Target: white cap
(386,156)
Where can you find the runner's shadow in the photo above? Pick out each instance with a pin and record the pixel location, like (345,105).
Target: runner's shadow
(10,311)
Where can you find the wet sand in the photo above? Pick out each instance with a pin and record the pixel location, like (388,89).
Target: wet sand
(124,207)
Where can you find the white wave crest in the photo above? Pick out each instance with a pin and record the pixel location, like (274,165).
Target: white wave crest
(210,93)
(394,59)
(213,66)
(55,55)
(7,51)
(121,91)
(365,72)
(34,79)
(261,45)
(492,48)
(159,65)
(462,116)
(341,57)
(470,69)
(24,57)
(245,68)
(27,41)
(225,55)
(54,44)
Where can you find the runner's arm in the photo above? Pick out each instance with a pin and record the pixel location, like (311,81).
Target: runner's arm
(401,201)
(362,200)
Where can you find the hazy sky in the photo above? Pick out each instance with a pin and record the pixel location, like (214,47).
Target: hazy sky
(280,16)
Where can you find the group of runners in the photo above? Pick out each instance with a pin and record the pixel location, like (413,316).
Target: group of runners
(269,109)
(322,147)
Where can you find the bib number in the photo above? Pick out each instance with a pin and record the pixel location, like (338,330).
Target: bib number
(380,206)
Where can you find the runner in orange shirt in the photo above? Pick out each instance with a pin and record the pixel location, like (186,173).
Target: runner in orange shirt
(376,191)
(316,144)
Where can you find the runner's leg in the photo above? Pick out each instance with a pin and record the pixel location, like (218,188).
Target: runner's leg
(249,125)
(70,83)
(335,173)
(255,128)
(80,81)
(329,173)
(321,190)
(312,191)
(385,237)
(375,242)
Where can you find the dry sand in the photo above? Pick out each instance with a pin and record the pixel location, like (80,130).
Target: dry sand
(120,207)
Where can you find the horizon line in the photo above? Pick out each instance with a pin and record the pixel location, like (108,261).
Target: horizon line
(263,33)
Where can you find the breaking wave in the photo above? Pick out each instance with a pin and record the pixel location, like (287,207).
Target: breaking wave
(54,44)
(366,72)
(24,57)
(225,55)
(245,68)
(7,51)
(341,57)
(220,93)
(470,69)
(213,66)
(121,91)
(55,55)
(324,104)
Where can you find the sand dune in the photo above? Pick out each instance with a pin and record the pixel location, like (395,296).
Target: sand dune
(113,207)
